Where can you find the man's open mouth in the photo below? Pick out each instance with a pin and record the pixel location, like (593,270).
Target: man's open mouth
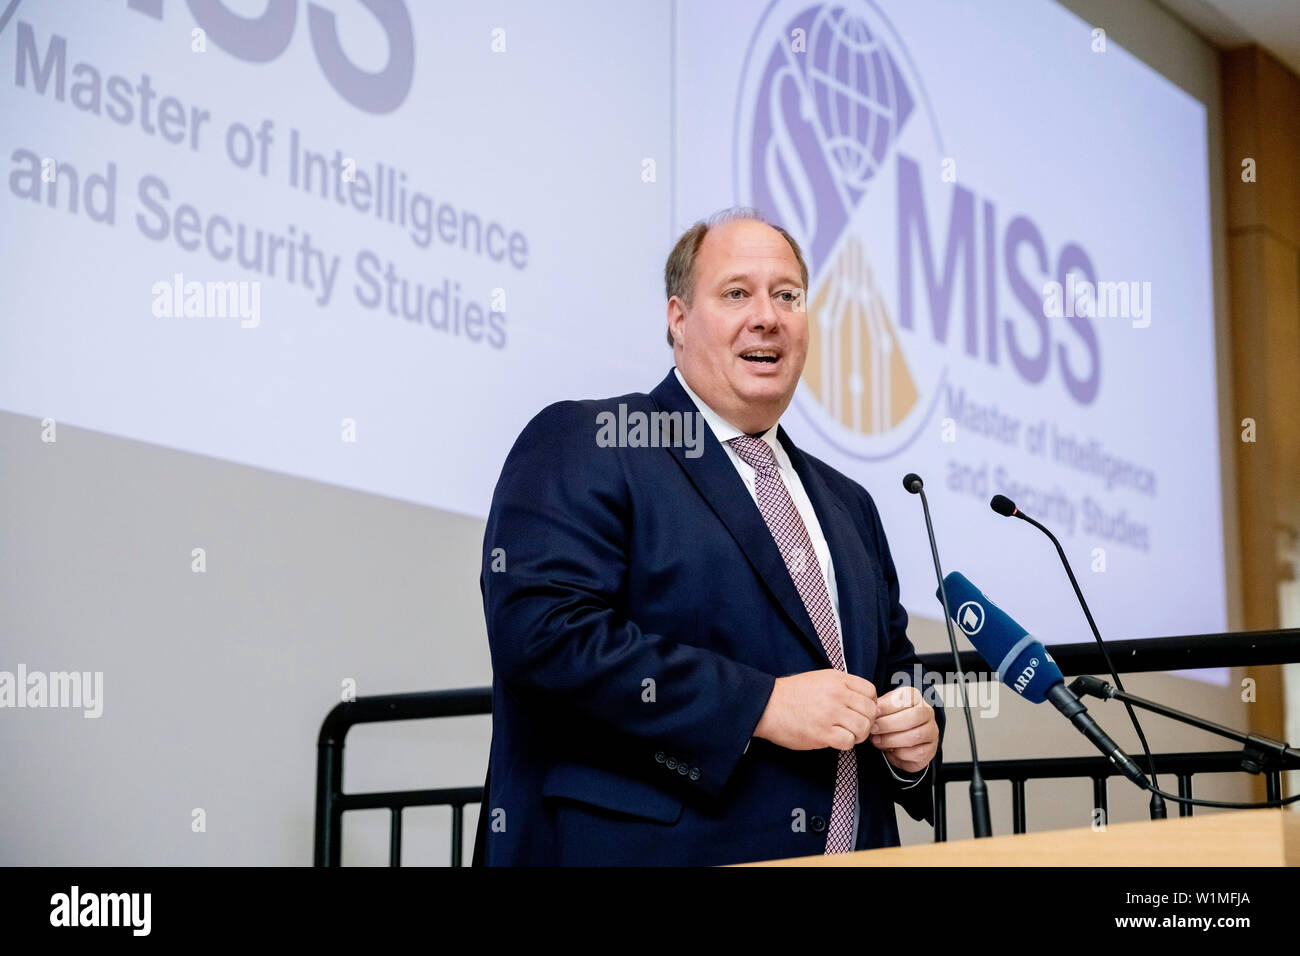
(761,356)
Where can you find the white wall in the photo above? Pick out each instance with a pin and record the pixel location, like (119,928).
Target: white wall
(215,684)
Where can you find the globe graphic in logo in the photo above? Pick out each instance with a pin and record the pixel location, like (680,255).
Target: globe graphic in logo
(856,90)
(823,105)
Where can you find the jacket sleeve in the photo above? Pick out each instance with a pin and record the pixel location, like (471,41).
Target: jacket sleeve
(901,657)
(555,565)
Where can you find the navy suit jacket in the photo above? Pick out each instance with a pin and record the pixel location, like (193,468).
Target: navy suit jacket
(638,612)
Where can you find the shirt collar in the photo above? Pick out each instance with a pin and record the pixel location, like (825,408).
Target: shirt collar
(723,430)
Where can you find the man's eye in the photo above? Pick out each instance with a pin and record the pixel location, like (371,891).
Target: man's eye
(788,296)
(730,296)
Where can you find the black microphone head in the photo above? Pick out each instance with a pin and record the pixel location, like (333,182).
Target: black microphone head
(912,482)
(1003,505)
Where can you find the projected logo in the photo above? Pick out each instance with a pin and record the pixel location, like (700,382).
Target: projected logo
(835,138)
(826,103)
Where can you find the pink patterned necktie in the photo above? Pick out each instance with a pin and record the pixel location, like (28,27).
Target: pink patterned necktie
(791,535)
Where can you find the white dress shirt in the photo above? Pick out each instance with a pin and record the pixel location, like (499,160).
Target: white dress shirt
(724,431)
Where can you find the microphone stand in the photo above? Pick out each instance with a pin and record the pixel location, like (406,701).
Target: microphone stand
(979,794)
(1007,508)
(1258,754)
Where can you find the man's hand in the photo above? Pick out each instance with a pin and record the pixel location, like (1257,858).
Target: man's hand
(825,708)
(905,729)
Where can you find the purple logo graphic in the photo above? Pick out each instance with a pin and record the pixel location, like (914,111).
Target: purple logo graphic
(828,112)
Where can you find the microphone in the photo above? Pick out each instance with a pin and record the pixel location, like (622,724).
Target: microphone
(979,794)
(1007,508)
(1024,665)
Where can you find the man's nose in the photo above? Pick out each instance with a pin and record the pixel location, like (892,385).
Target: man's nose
(765,315)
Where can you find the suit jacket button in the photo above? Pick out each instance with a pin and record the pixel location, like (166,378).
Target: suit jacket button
(683,769)
(695,773)
(818,824)
(672,763)
(660,757)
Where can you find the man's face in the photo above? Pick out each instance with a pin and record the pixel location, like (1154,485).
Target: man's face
(742,342)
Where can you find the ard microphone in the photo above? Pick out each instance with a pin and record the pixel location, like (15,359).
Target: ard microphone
(1023,664)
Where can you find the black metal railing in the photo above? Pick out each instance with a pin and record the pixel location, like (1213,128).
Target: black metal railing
(332,802)
(1195,652)
(1182,766)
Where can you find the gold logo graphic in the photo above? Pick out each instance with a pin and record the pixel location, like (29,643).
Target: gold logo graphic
(855,369)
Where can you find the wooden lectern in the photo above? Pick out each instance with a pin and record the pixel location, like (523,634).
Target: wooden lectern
(1236,838)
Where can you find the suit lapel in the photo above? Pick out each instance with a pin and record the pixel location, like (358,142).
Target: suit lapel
(854,582)
(717,481)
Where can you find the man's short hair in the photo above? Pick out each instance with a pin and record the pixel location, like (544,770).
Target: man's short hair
(679,271)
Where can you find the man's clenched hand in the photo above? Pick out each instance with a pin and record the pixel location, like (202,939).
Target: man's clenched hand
(905,729)
(824,708)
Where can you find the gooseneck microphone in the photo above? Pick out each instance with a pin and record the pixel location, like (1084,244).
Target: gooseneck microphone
(979,794)
(1023,664)
(1007,508)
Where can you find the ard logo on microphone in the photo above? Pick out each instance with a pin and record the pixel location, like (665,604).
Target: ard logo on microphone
(1026,675)
(970,618)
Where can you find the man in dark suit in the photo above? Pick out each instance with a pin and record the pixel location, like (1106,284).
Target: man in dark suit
(692,623)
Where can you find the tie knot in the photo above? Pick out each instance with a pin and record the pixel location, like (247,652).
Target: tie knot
(754,452)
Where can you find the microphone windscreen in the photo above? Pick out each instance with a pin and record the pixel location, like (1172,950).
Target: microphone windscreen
(1020,659)
(1003,505)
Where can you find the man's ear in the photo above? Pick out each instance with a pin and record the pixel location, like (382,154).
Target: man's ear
(677,319)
